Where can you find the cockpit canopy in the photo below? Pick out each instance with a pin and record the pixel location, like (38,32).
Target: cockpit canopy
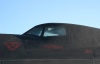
(46,31)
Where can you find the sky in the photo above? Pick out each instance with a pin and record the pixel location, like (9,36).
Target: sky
(18,16)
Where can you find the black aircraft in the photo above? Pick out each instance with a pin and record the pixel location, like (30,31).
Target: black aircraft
(52,43)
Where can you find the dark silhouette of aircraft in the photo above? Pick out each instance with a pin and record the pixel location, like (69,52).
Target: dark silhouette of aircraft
(52,43)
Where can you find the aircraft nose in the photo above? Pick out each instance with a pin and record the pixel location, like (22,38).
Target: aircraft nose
(9,42)
(11,47)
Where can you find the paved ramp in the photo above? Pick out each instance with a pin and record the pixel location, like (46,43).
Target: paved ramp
(49,61)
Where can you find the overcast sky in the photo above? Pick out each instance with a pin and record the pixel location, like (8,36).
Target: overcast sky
(17,16)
